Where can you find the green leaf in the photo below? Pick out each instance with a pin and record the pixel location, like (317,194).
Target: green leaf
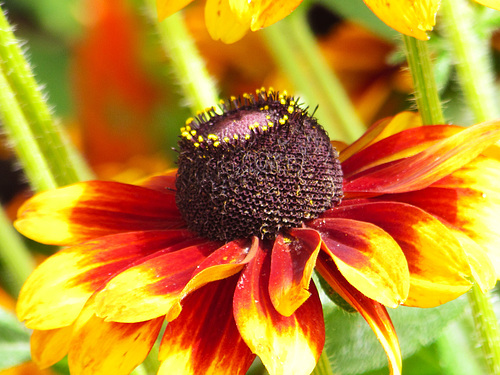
(353,348)
(14,341)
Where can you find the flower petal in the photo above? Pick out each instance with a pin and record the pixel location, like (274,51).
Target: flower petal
(423,169)
(409,17)
(374,313)
(57,290)
(292,264)
(286,345)
(152,288)
(222,23)
(49,347)
(494,4)
(222,263)
(368,257)
(380,130)
(204,338)
(166,8)
(438,266)
(164,182)
(398,146)
(99,347)
(263,13)
(91,209)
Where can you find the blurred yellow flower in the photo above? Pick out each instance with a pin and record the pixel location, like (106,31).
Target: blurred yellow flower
(413,17)
(229,20)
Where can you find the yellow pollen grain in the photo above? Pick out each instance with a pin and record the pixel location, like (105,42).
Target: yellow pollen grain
(196,144)
(291,109)
(270,124)
(183,129)
(282,121)
(200,138)
(189,121)
(185,134)
(193,132)
(283,101)
(216,144)
(235,136)
(188,128)
(188,137)
(247,136)
(213,137)
(264,128)
(266,107)
(226,139)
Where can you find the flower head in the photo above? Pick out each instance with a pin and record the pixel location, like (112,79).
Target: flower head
(224,247)
(229,20)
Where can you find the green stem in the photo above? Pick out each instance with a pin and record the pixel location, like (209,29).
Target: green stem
(198,87)
(486,325)
(296,52)
(15,258)
(426,93)
(323,366)
(61,159)
(472,59)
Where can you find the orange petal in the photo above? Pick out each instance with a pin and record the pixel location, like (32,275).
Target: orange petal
(263,13)
(222,23)
(421,170)
(438,266)
(57,290)
(222,263)
(409,17)
(292,264)
(368,257)
(398,146)
(204,338)
(286,345)
(100,347)
(164,182)
(380,130)
(152,288)
(49,347)
(166,8)
(374,313)
(91,209)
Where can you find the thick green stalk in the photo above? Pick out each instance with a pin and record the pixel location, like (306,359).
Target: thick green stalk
(198,87)
(62,160)
(472,59)
(323,366)
(426,93)
(296,52)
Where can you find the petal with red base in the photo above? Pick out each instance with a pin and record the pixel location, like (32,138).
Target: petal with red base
(373,312)
(151,288)
(423,169)
(223,262)
(87,210)
(57,290)
(99,347)
(438,266)
(368,257)
(49,347)
(204,338)
(164,182)
(292,264)
(286,345)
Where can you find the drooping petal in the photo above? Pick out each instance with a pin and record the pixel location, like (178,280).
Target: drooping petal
(262,13)
(49,347)
(494,4)
(438,266)
(151,288)
(222,23)
(380,130)
(410,17)
(87,210)
(164,182)
(374,313)
(423,169)
(368,257)
(99,347)
(398,146)
(292,263)
(204,338)
(222,263)
(166,8)
(286,345)
(468,199)
(57,290)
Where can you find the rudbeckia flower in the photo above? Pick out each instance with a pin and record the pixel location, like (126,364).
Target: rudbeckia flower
(413,17)
(229,20)
(224,247)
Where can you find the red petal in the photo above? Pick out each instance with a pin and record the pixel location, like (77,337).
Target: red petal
(292,264)
(204,338)
(374,313)
(92,209)
(153,287)
(286,345)
(164,182)
(421,170)
(368,257)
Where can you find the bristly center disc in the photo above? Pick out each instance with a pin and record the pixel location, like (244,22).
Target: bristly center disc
(262,166)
